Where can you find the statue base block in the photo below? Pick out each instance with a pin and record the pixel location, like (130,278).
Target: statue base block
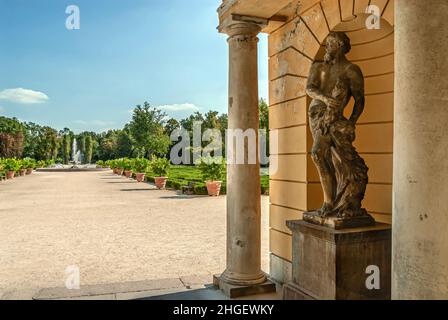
(330,264)
(339,223)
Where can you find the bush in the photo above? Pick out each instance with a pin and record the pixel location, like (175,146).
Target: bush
(41,164)
(212,169)
(2,170)
(140,165)
(49,163)
(111,164)
(100,163)
(159,166)
(120,163)
(126,164)
(11,164)
(28,163)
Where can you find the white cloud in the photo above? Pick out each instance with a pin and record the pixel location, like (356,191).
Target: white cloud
(179,107)
(94,123)
(23,96)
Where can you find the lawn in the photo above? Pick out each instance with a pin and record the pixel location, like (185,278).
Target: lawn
(180,176)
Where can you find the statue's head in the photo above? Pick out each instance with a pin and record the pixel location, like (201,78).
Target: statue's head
(337,43)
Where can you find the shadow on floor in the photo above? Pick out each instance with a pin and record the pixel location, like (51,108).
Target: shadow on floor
(208,293)
(182,196)
(114,182)
(128,190)
(211,292)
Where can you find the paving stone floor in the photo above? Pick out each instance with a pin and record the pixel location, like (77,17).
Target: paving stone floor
(115,230)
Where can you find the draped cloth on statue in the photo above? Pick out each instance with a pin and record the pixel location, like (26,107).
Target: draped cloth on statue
(349,168)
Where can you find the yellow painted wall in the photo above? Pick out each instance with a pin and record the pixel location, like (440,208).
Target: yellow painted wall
(295,186)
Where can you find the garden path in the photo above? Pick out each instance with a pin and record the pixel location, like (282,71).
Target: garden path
(114,229)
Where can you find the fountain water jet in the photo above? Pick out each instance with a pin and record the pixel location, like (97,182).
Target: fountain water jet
(76,153)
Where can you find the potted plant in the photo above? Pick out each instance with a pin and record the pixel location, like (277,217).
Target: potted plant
(29,165)
(140,165)
(21,168)
(11,166)
(120,166)
(127,167)
(113,165)
(160,166)
(213,170)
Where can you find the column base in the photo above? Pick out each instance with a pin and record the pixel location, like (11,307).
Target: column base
(236,291)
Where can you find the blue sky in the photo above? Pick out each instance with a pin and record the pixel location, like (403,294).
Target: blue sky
(167,52)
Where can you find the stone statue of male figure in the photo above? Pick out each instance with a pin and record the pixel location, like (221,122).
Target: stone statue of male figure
(343,173)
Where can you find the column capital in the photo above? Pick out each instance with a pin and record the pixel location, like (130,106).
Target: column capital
(238,25)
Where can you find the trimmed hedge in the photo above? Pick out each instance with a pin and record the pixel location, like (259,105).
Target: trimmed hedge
(190,176)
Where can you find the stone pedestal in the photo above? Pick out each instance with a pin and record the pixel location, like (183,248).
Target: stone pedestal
(331,264)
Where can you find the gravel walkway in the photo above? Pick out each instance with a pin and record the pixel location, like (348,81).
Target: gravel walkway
(114,229)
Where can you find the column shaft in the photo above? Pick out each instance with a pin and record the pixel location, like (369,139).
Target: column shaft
(243,180)
(420,214)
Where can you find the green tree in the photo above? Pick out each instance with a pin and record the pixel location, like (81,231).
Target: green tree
(264,115)
(66,148)
(223,122)
(89,149)
(81,142)
(12,138)
(211,120)
(41,143)
(46,146)
(107,145)
(171,125)
(124,147)
(32,133)
(264,121)
(147,130)
(187,123)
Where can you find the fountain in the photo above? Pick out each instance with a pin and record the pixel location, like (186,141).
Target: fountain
(75,164)
(76,153)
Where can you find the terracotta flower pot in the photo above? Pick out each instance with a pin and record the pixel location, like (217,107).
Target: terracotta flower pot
(213,188)
(160,182)
(120,171)
(128,173)
(140,177)
(22,172)
(29,171)
(10,175)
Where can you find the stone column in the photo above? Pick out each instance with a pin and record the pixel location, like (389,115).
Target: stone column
(243,179)
(420,217)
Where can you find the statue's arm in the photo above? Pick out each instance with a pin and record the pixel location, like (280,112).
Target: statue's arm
(313,87)
(357,88)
